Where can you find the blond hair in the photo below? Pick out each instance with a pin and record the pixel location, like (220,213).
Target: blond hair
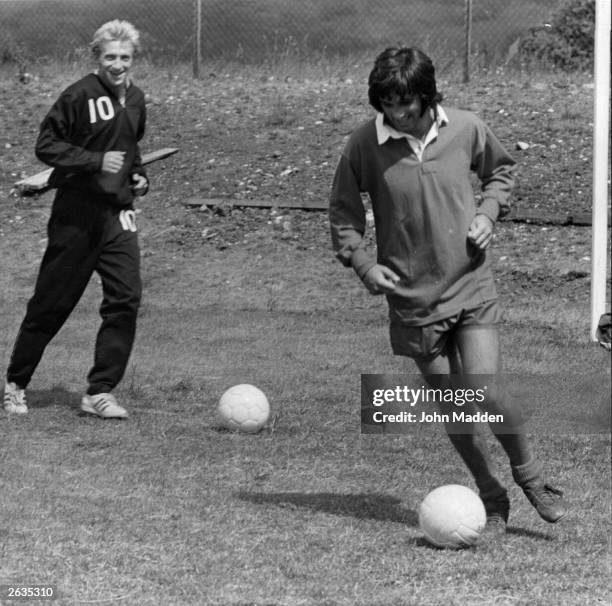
(122,31)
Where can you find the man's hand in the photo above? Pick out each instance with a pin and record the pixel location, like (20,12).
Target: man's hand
(139,185)
(379,280)
(480,233)
(112,162)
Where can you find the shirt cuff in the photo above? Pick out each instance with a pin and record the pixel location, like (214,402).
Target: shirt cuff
(361,262)
(489,208)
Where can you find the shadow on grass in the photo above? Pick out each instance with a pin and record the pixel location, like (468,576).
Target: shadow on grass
(423,543)
(531,534)
(56,396)
(495,542)
(363,506)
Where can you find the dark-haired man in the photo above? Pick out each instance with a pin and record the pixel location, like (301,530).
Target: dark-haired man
(414,159)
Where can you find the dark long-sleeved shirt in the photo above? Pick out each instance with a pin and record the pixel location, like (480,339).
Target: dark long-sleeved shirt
(422,213)
(85,122)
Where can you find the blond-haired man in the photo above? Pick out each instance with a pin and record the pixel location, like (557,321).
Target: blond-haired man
(90,137)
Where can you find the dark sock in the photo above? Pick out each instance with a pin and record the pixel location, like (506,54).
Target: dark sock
(517,448)
(528,473)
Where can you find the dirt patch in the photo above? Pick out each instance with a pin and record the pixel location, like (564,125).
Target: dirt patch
(247,135)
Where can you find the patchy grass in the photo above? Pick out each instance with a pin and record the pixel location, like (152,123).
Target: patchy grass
(247,132)
(167,509)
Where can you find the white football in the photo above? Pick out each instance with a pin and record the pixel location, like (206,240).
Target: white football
(243,408)
(452,516)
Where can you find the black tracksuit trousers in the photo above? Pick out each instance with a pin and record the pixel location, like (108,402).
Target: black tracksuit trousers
(85,234)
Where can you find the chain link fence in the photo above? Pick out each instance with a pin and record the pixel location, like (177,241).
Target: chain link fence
(257,30)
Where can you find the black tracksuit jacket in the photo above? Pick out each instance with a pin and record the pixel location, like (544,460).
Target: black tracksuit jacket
(85,122)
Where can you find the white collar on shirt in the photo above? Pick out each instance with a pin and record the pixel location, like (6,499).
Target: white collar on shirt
(385,132)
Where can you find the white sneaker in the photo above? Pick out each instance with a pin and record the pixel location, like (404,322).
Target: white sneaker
(103,405)
(15,399)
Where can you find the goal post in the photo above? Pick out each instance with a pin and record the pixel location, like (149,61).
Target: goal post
(601,137)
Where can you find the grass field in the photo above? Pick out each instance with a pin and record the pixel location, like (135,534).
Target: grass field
(167,509)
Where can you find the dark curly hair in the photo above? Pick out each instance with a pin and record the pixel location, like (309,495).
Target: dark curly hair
(405,72)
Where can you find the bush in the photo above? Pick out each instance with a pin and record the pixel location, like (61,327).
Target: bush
(566,43)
